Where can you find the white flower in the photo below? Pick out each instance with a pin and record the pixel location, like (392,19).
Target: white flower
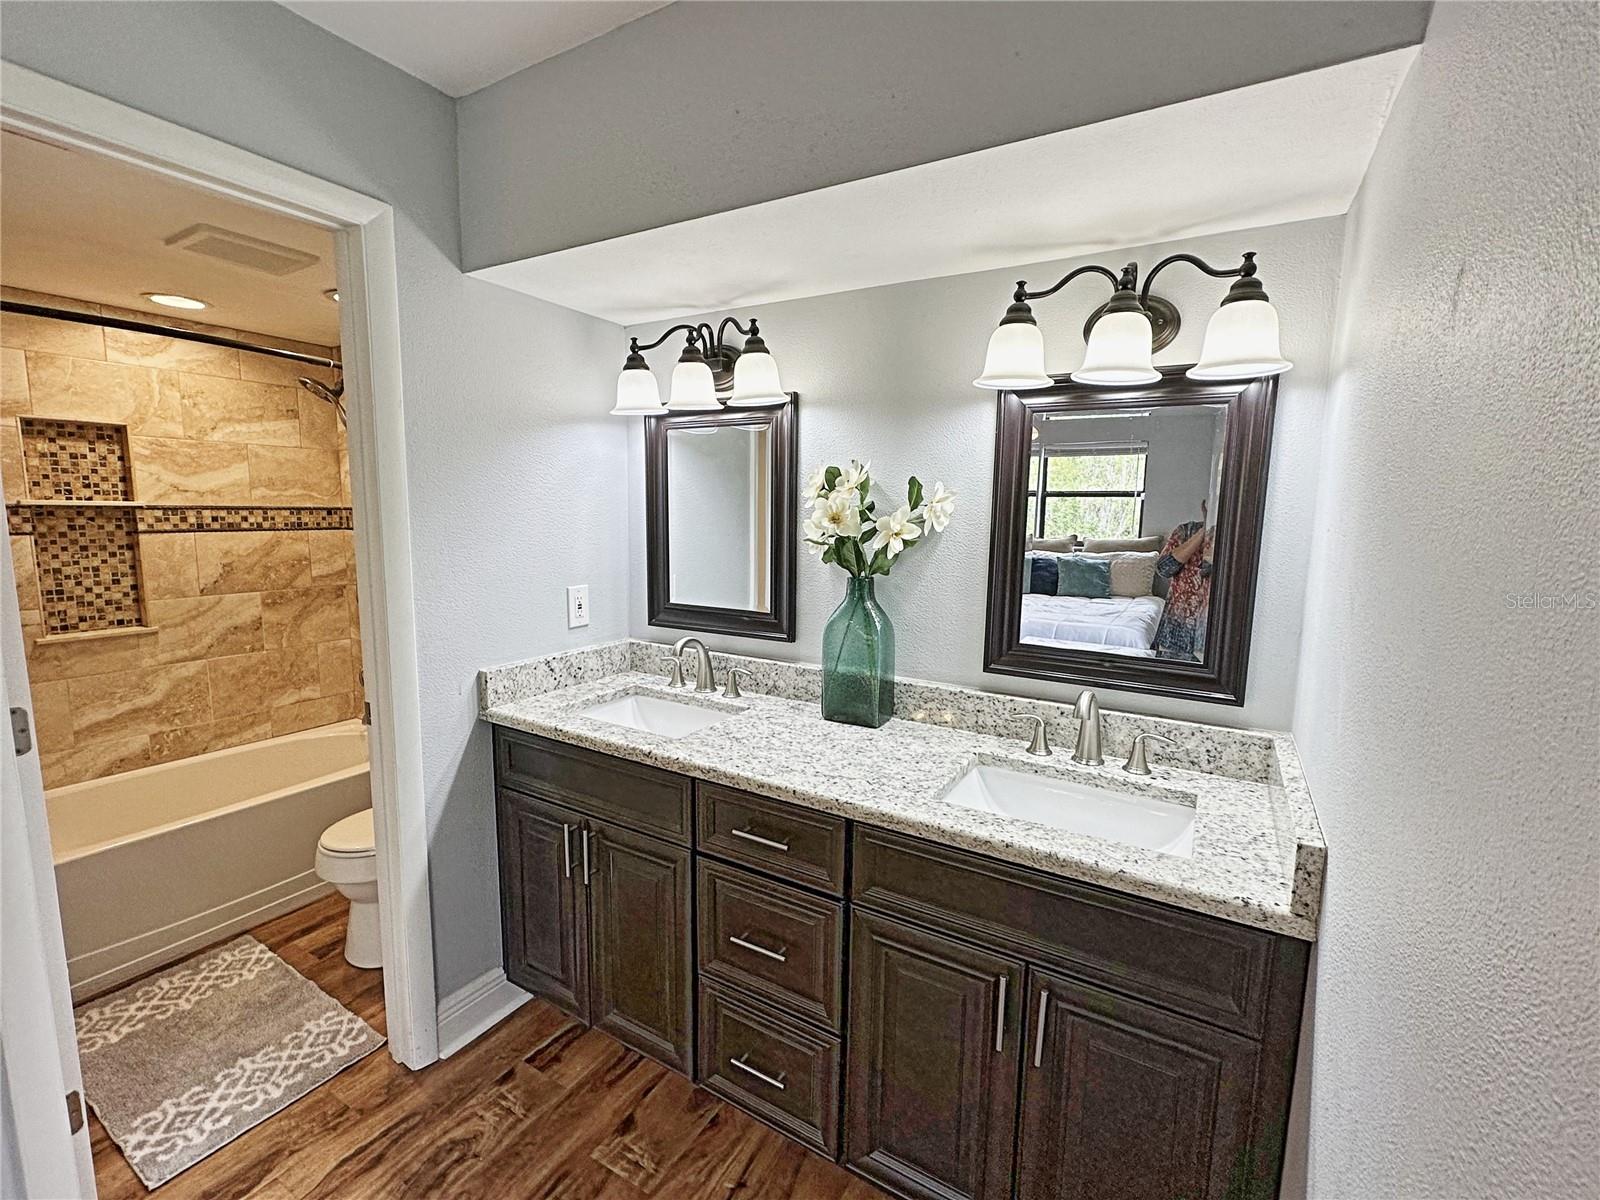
(939,508)
(816,537)
(895,530)
(837,515)
(817,482)
(850,478)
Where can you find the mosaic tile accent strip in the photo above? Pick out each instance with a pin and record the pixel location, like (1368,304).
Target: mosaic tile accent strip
(216,518)
(88,565)
(74,460)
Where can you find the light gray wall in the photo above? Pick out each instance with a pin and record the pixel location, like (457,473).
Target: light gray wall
(886,374)
(1450,739)
(704,107)
(505,396)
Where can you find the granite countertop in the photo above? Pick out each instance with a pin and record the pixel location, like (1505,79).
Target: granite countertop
(1257,854)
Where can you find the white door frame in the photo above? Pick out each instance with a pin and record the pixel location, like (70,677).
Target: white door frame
(38,1052)
(369,319)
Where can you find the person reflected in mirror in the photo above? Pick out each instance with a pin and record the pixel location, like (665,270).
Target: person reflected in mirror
(1185,563)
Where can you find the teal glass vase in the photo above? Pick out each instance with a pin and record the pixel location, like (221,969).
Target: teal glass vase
(858,659)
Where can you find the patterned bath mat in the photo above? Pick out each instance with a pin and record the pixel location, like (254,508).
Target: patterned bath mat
(179,1064)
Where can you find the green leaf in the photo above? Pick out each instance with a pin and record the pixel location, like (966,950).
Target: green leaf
(880,563)
(914,492)
(830,478)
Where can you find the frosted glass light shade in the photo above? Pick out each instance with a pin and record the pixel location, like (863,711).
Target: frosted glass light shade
(637,394)
(1015,360)
(693,389)
(1241,343)
(755,382)
(1119,351)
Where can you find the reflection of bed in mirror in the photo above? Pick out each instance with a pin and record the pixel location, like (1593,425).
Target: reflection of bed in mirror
(1126,624)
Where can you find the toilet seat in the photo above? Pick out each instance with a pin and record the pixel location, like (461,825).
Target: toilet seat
(350,837)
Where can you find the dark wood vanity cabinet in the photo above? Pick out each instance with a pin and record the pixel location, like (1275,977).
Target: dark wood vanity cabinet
(596,918)
(950,1026)
(932,1075)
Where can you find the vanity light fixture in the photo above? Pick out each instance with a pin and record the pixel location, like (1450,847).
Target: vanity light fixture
(1241,340)
(707,369)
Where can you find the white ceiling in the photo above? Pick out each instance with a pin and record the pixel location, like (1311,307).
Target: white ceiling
(460,46)
(78,224)
(1288,150)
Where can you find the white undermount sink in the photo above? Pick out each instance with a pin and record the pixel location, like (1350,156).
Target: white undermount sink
(654,714)
(1135,820)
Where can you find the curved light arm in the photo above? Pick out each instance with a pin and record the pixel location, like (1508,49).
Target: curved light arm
(1022,293)
(1245,270)
(692,330)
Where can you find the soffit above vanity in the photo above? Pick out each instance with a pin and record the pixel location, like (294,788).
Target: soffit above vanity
(1286,150)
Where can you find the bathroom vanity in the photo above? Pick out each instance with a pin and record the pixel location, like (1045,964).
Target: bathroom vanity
(922,992)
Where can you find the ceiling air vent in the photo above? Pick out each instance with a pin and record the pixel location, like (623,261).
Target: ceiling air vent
(242,250)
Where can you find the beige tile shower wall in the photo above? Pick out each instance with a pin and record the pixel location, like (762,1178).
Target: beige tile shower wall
(255,634)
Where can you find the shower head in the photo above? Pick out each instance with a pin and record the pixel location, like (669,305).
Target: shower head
(330,395)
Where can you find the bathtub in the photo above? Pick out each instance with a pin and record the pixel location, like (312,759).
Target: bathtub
(154,864)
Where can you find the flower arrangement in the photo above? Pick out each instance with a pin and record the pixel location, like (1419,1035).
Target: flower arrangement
(845,528)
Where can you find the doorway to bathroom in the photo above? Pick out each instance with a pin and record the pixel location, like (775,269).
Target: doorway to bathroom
(207,523)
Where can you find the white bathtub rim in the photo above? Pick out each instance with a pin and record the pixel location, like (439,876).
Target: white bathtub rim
(71,789)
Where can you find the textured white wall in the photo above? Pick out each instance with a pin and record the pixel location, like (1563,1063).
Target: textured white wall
(505,396)
(886,374)
(1449,739)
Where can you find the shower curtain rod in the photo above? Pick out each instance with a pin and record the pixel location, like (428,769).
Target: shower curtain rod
(210,339)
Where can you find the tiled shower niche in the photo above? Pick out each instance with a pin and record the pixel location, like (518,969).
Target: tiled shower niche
(85,528)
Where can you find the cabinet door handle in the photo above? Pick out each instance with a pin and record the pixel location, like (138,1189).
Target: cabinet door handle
(761,1075)
(1038,1035)
(745,944)
(780,847)
(1000,1013)
(585,858)
(566,848)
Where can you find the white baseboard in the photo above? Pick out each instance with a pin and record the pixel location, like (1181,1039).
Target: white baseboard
(471,1011)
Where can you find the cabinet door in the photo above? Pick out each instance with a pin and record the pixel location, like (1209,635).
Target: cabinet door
(544,919)
(1123,1099)
(641,972)
(933,1051)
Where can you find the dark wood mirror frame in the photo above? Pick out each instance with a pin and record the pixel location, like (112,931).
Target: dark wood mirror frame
(777,625)
(1241,503)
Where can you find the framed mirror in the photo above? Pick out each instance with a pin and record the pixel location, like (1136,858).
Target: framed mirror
(1125,534)
(720,505)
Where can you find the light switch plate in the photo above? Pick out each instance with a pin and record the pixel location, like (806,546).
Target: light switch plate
(577,605)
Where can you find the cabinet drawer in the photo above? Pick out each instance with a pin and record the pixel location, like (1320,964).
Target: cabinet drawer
(786,840)
(1203,966)
(772,1066)
(777,942)
(631,794)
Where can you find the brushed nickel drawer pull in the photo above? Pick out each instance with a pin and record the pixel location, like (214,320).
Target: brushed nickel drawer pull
(1000,1014)
(566,848)
(1038,1037)
(585,858)
(780,847)
(761,1075)
(745,944)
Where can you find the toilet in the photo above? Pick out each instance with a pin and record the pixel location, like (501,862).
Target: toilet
(346,858)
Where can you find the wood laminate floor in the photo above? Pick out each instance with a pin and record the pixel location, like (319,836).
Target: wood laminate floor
(537,1107)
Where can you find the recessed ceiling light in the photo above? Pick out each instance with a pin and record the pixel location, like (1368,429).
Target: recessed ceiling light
(332,294)
(173,301)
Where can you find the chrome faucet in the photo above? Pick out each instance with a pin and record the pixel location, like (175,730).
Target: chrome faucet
(704,679)
(1040,744)
(1087,710)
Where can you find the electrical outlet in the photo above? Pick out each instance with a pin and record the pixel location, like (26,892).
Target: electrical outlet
(577,605)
